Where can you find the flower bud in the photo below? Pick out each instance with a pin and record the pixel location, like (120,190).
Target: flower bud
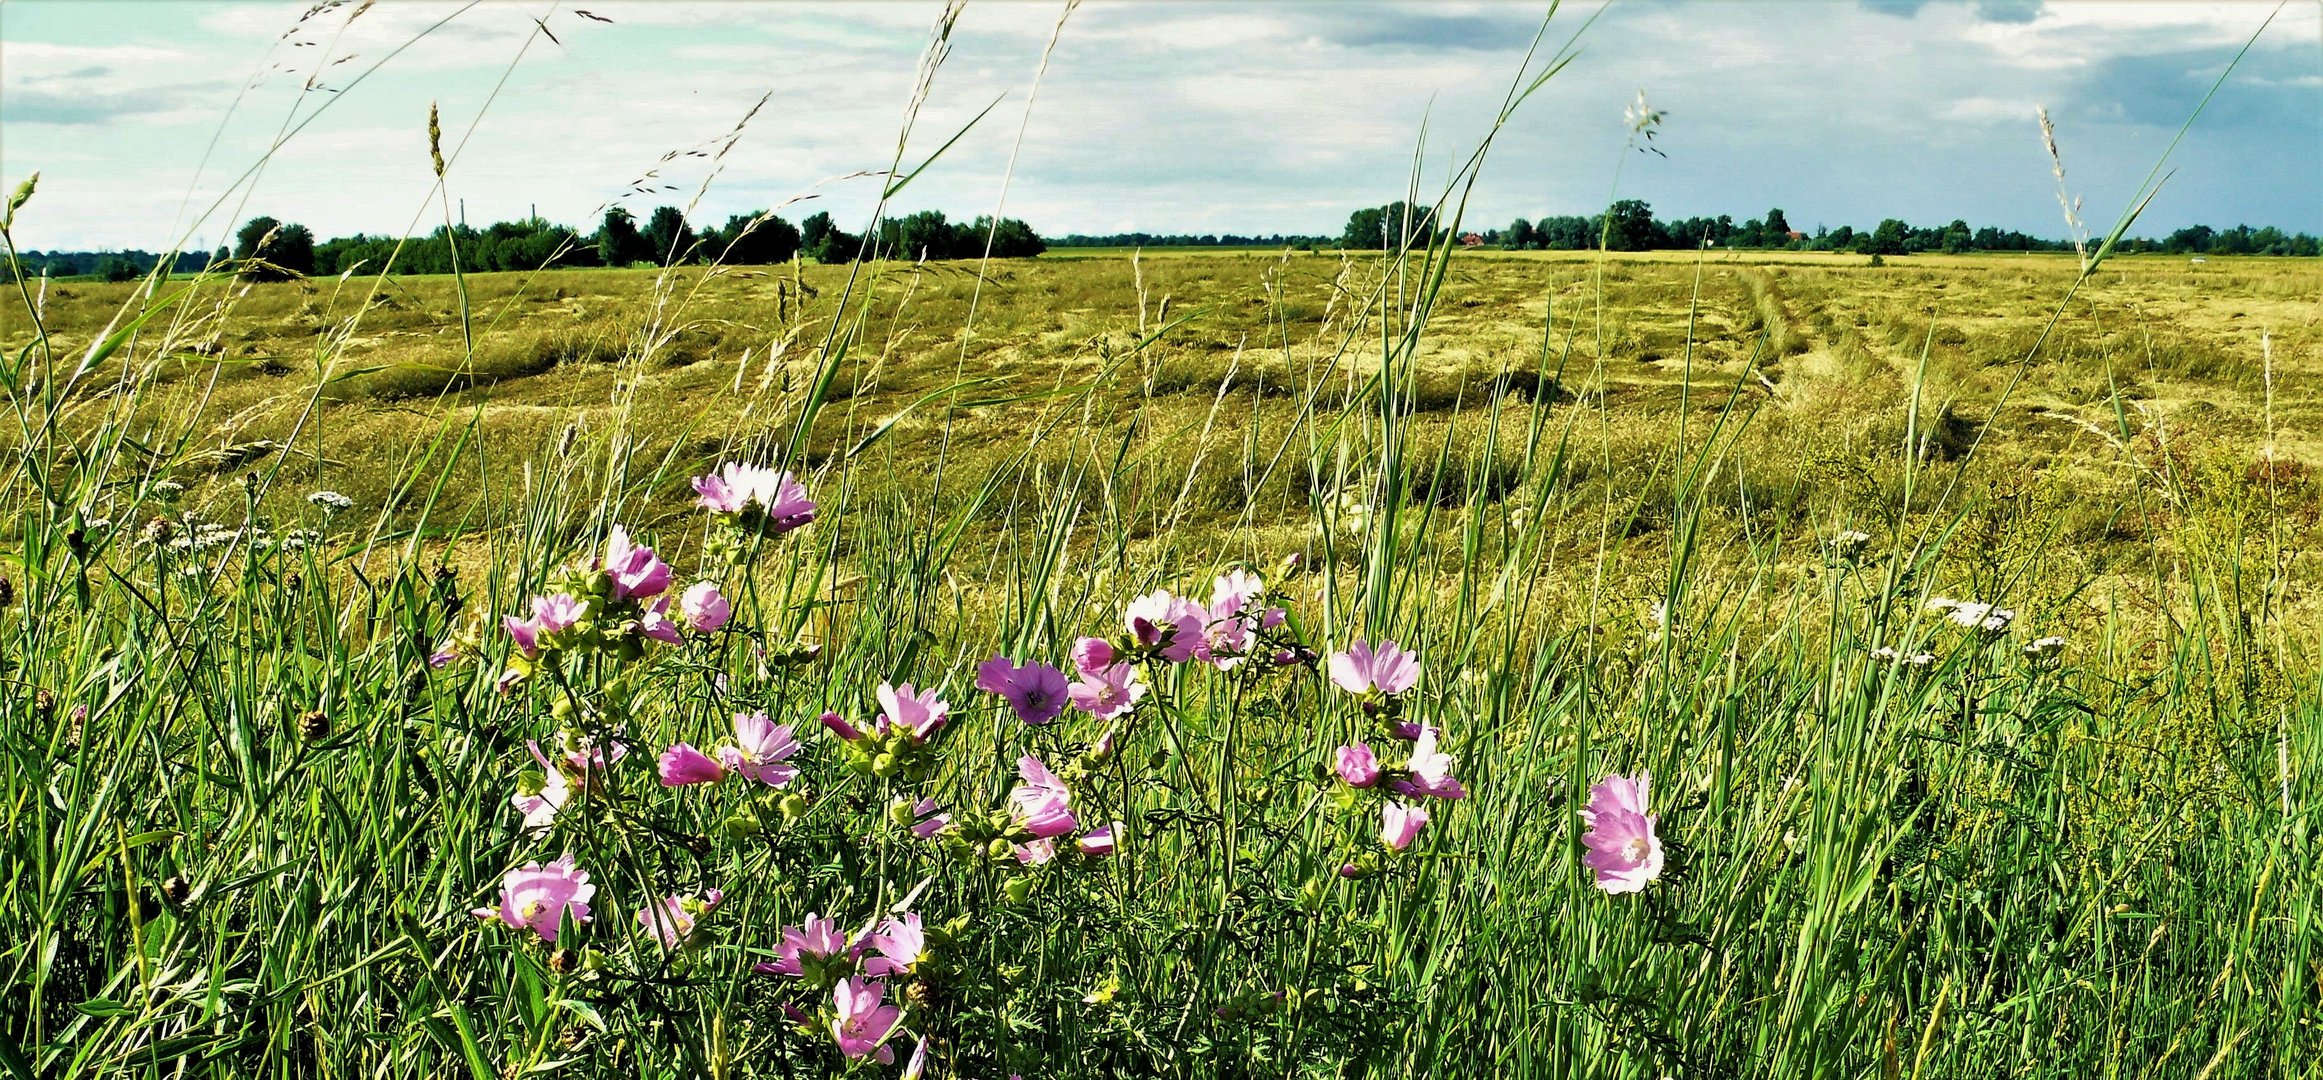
(1018,889)
(741,826)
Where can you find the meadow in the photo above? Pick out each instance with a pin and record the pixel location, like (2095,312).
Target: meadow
(1962,611)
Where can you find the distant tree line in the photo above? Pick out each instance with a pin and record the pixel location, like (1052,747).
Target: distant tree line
(1630,225)
(265,248)
(104,265)
(1145,239)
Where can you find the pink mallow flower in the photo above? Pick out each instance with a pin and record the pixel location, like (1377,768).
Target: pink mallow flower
(681,765)
(920,712)
(1362,668)
(817,941)
(1169,625)
(524,633)
(929,819)
(1233,616)
(900,944)
(762,750)
(1041,805)
(557,614)
(1399,824)
(1098,842)
(634,571)
(1357,765)
(839,726)
(863,1020)
(656,623)
(1036,691)
(540,809)
(671,919)
(570,772)
(536,897)
(1092,655)
(1431,771)
(1623,848)
(779,495)
(1035,852)
(1107,692)
(704,608)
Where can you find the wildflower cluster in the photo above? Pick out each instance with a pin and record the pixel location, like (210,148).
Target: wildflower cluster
(616,604)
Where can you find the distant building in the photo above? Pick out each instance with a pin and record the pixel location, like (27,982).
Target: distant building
(1794,234)
(1472,240)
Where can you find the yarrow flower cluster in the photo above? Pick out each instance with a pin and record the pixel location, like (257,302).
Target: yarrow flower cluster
(1972,615)
(331,502)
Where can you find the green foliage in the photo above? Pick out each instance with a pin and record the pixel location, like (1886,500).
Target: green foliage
(270,250)
(618,241)
(1392,227)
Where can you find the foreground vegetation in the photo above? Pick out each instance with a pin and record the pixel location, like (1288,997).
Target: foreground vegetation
(1674,517)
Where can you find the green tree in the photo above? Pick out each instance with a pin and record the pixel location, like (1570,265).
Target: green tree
(1957,237)
(758,239)
(1887,239)
(668,236)
(118,268)
(825,242)
(922,235)
(618,241)
(1387,227)
(1777,231)
(1628,225)
(1519,236)
(270,250)
(1011,238)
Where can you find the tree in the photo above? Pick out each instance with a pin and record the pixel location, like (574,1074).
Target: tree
(924,235)
(759,239)
(1519,236)
(618,241)
(1011,238)
(1390,227)
(668,236)
(825,242)
(118,268)
(1777,229)
(1887,239)
(1628,225)
(1957,238)
(273,251)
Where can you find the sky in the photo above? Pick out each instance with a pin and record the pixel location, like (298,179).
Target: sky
(150,121)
